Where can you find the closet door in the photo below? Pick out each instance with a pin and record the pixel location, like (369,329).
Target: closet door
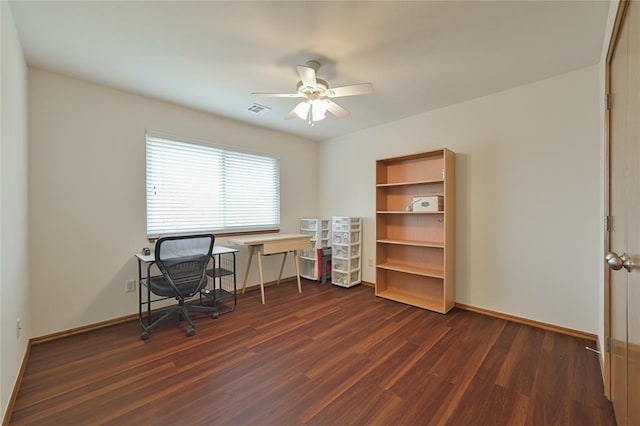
(633,229)
(624,191)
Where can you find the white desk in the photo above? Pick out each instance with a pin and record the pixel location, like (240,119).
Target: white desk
(272,244)
(217,250)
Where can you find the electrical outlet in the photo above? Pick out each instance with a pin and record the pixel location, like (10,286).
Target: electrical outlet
(130,286)
(370,263)
(18,328)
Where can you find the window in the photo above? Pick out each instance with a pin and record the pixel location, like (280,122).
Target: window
(194,188)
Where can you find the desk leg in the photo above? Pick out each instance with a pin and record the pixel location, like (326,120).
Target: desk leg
(246,273)
(261,280)
(284,259)
(295,257)
(140,320)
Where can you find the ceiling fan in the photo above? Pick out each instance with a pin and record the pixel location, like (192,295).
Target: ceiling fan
(317,95)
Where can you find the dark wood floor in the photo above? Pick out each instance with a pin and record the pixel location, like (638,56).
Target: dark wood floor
(330,356)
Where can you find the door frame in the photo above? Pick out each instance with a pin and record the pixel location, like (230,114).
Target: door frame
(606,368)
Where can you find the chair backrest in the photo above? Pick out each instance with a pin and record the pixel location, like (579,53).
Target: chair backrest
(183,261)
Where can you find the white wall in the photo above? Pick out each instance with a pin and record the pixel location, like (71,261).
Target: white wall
(14,274)
(87,192)
(528,194)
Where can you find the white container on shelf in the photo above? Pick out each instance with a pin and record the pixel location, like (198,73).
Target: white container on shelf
(427,204)
(346,251)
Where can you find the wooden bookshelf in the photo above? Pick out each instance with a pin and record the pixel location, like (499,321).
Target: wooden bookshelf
(415,250)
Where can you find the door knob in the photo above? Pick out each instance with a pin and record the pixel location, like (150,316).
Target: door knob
(618,262)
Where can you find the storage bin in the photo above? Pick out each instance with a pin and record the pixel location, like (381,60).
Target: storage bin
(338,264)
(308,269)
(345,279)
(319,230)
(312,224)
(308,224)
(346,249)
(345,227)
(338,220)
(345,265)
(339,277)
(310,253)
(346,237)
(340,251)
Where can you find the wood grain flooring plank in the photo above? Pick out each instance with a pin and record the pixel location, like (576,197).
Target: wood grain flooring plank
(362,404)
(89,395)
(380,333)
(424,406)
(476,398)
(405,384)
(324,389)
(407,364)
(582,414)
(273,405)
(464,377)
(586,371)
(393,369)
(519,368)
(503,407)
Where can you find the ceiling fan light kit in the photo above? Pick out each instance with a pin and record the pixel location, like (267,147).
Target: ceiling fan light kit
(317,94)
(311,111)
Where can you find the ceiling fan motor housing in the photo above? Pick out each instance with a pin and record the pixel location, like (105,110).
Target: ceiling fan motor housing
(313,92)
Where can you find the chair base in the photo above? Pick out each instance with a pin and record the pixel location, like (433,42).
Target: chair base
(182,310)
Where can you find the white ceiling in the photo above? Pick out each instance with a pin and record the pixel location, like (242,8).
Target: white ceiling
(209,55)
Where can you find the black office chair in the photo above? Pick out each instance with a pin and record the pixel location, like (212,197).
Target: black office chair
(183,263)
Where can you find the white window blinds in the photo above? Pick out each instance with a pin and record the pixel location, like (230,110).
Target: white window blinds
(195,188)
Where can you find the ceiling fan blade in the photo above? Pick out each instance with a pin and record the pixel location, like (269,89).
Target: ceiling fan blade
(291,115)
(336,109)
(278,95)
(354,89)
(307,76)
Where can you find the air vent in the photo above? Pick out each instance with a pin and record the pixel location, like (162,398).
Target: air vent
(258,109)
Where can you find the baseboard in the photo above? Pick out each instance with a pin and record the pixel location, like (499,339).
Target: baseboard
(533,323)
(16,386)
(83,329)
(368,284)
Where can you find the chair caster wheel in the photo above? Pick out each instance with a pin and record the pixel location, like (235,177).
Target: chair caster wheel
(215,315)
(144,335)
(191,331)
